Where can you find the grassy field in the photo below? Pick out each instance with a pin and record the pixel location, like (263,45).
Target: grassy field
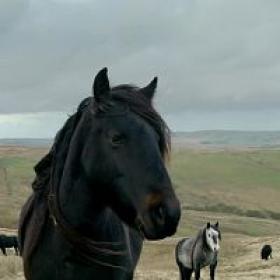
(240,188)
(16,175)
(228,181)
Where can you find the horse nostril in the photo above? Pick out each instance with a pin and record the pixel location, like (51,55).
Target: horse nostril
(160,214)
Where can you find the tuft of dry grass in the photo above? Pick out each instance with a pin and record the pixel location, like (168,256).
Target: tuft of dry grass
(10,267)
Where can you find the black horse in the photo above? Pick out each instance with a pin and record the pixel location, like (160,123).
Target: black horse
(101,189)
(10,241)
(266,252)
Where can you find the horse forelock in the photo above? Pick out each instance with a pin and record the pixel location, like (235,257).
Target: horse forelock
(61,145)
(139,104)
(217,229)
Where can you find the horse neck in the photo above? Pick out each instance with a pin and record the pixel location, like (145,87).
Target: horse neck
(85,211)
(83,205)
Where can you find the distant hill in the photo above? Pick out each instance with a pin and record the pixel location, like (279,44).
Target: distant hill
(223,138)
(206,138)
(27,142)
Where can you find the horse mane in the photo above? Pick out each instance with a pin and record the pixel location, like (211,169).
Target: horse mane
(87,248)
(61,144)
(218,230)
(37,204)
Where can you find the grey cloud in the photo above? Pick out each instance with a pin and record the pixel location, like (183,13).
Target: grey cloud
(11,13)
(209,55)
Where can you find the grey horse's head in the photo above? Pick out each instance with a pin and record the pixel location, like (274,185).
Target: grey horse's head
(213,236)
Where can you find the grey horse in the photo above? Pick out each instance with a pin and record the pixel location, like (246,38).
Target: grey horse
(192,254)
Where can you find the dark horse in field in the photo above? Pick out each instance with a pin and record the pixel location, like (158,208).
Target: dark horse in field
(101,189)
(266,252)
(10,241)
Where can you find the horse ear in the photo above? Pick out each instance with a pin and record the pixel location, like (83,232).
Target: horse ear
(208,225)
(101,85)
(150,89)
(217,224)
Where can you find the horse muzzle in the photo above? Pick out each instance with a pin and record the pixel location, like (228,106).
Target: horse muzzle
(160,220)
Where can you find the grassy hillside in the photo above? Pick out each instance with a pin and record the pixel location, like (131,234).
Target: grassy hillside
(16,175)
(245,183)
(240,188)
(231,181)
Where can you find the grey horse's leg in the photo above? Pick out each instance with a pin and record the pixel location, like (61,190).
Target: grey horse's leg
(16,251)
(185,273)
(212,271)
(197,274)
(188,273)
(182,271)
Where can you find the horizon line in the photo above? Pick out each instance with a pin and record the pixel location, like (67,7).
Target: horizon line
(172,132)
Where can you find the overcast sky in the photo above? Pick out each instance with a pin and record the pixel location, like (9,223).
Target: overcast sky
(218,61)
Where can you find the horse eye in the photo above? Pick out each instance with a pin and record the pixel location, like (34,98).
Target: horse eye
(117,139)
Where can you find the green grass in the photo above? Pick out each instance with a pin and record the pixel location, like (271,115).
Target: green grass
(240,183)
(16,176)
(244,180)
(224,168)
